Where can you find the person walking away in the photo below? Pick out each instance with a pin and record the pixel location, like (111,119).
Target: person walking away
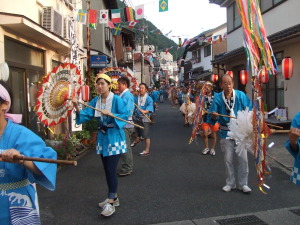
(229,102)
(18,194)
(145,103)
(208,129)
(111,140)
(126,159)
(292,145)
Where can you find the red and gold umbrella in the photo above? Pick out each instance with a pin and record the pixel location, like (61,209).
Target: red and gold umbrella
(63,82)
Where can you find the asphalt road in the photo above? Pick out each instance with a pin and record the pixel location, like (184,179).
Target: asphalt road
(174,183)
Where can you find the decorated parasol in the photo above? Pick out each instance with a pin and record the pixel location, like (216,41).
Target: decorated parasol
(115,73)
(62,82)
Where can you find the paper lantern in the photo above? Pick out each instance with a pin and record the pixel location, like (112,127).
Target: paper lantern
(263,75)
(85,93)
(230,73)
(244,77)
(287,68)
(214,78)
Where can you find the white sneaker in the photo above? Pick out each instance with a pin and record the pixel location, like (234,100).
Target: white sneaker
(102,204)
(108,210)
(228,188)
(245,189)
(205,151)
(212,152)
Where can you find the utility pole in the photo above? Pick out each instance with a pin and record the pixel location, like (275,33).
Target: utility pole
(88,46)
(142,63)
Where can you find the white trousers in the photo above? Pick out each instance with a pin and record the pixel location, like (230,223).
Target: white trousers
(228,148)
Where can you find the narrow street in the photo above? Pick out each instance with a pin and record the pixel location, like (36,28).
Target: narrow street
(174,183)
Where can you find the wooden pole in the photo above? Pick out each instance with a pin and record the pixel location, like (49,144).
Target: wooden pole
(25,158)
(112,115)
(88,46)
(142,112)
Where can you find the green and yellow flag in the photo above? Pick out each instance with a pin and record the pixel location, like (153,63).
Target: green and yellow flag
(163,5)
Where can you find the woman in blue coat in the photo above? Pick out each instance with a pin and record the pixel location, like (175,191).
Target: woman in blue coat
(111,141)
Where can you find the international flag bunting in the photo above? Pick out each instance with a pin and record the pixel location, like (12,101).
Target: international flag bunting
(129,14)
(163,5)
(116,15)
(117,30)
(111,24)
(132,24)
(103,16)
(92,18)
(81,16)
(139,12)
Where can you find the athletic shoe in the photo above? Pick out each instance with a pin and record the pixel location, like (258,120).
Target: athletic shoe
(205,151)
(102,204)
(228,188)
(108,210)
(125,173)
(212,152)
(245,189)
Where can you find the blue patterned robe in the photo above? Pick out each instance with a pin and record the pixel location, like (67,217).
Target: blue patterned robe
(295,176)
(113,142)
(18,206)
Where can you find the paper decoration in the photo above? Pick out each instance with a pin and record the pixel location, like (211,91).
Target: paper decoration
(117,30)
(129,14)
(132,24)
(81,16)
(163,5)
(115,15)
(93,18)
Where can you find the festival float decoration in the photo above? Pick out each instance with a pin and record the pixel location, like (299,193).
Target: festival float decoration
(230,73)
(263,75)
(287,66)
(85,93)
(115,73)
(214,78)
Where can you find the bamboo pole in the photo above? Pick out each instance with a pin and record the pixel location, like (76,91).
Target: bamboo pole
(25,158)
(273,131)
(111,115)
(142,112)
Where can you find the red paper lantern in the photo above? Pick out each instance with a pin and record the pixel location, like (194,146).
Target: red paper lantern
(263,75)
(214,78)
(244,77)
(230,73)
(287,68)
(85,93)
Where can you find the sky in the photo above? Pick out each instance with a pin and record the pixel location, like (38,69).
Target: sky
(186,18)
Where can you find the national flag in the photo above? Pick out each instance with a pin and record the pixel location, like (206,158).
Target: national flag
(81,16)
(132,24)
(129,14)
(167,51)
(111,25)
(179,42)
(92,18)
(163,5)
(116,16)
(168,33)
(139,12)
(185,42)
(117,30)
(103,16)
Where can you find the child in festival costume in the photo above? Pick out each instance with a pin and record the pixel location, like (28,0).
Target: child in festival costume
(292,146)
(205,126)
(18,195)
(111,141)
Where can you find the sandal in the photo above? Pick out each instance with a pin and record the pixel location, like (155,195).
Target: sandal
(135,143)
(144,153)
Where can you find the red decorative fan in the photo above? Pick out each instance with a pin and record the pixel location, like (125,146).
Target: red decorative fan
(63,82)
(115,73)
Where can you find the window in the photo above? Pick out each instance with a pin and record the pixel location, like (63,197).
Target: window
(207,50)
(233,17)
(196,56)
(265,5)
(275,87)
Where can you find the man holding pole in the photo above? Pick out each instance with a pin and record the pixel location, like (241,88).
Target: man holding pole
(126,159)
(228,103)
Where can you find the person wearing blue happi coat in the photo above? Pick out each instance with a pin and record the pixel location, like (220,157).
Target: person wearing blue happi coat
(229,102)
(292,145)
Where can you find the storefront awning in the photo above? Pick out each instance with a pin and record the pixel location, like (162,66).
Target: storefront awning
(25,27)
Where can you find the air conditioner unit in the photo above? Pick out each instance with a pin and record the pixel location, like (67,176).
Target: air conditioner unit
(52,20)
(66,29)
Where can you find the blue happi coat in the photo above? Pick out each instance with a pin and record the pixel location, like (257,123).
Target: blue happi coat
(18,206)
(112,142)
(218,106)
(295,176)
